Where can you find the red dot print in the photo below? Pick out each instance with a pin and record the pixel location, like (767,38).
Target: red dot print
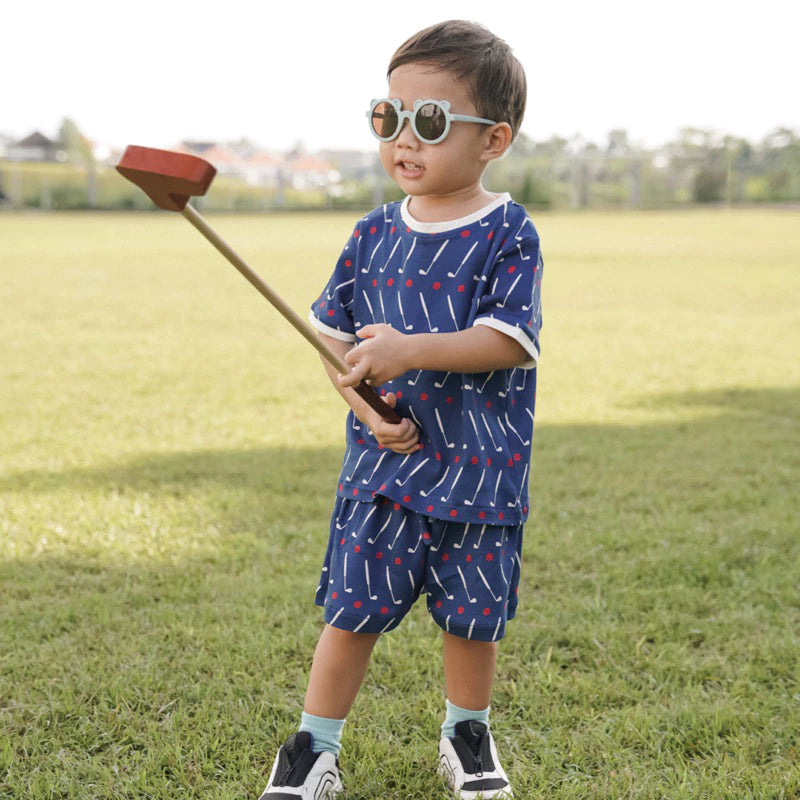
(464,234)
(399,395)
(490,235)
(383,486)
(517,457)
(481,515)
(488,462)
(469,558)
(438,456)
(384,610)
(342,542)
(510,462)
(360,441)
(331,312)
(408,230)
(356,234)
(423,396)
(457,459)
(390,282)
(335,595)
(489,557)
(355,492)
(437,285)
(511,269)
(524,509)
(453,512)
(407,498)
(394,228)
(461,609)
(341,487)
(397,506)
(486,612)
(474,460)
(348,263)
(398,561)
(445,556)
(488,404)
(448,400)
(373,229)
(374,281)
(461,288)
(501,515)
(409,282)
(379,555)
(357,604)
(357,548)
(426,535)
(438,604)
(429,509)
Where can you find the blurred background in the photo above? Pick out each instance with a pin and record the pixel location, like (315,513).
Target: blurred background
(631,105)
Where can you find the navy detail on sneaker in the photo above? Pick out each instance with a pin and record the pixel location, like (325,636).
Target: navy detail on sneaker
(295,760)
(471,744)
(483,784)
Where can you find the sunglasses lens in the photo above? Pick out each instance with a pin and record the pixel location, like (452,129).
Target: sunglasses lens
(384,120)
(430,121)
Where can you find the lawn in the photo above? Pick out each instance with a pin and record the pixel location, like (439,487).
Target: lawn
(168,454)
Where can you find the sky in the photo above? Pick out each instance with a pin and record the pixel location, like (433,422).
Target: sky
(154,73)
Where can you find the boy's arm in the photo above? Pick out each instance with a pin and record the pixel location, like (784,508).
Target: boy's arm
(402,438)
(386,353)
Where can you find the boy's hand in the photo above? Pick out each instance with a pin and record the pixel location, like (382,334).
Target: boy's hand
(382,356)
(401,438)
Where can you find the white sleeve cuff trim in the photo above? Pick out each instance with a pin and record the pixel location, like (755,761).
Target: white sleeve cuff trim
(515,333)
(334,333)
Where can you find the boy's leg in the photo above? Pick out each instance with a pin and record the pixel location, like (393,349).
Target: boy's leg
(340,664)
(300,768)
(468,671)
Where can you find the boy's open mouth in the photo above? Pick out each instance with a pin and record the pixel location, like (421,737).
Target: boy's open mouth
(409,166)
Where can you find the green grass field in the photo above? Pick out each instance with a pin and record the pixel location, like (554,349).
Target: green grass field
(168,455)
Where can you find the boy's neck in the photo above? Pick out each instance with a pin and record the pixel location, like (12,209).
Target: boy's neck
(443,208)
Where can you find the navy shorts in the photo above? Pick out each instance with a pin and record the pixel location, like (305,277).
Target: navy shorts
(381,556)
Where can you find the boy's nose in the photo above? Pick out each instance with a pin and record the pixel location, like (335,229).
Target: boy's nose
(406,136)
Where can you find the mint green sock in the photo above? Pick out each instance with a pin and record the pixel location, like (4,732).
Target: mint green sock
(457,714)
(327,733)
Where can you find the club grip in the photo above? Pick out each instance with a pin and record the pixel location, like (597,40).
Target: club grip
(369,396)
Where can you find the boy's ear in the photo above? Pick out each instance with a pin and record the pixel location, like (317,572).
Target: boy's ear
(498,140)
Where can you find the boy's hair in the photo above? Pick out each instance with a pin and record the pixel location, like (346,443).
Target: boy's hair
(493,75)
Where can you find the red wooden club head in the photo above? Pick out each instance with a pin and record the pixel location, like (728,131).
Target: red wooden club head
(169,179)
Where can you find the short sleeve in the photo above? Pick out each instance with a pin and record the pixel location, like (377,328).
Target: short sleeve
(332,312)
(512,301)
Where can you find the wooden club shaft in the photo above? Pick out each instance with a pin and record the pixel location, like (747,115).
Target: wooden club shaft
(367,393)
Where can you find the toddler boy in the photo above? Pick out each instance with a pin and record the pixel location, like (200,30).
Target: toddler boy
(435,302)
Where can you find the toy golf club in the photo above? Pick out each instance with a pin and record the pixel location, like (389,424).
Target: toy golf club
(169,179)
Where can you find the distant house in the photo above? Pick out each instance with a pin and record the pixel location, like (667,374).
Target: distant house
(311,172)
(353,165)
(36,147)
(5,142)
(263,169)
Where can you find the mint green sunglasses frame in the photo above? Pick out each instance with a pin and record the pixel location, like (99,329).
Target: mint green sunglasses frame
(411,116)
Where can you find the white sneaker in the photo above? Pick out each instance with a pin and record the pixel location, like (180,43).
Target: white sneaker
(469,764)
(301,774)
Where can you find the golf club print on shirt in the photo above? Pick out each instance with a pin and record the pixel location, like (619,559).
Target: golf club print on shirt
(476,429)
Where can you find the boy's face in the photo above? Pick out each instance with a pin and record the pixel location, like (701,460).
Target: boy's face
(450,167)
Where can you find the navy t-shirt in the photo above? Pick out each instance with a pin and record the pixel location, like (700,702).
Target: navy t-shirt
(476,428)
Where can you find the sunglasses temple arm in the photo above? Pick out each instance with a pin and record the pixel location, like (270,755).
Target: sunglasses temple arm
(366,392)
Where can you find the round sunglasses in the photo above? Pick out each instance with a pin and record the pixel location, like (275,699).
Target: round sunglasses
(430,119)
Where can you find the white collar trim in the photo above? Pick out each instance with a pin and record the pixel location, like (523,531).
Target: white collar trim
(451,224)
